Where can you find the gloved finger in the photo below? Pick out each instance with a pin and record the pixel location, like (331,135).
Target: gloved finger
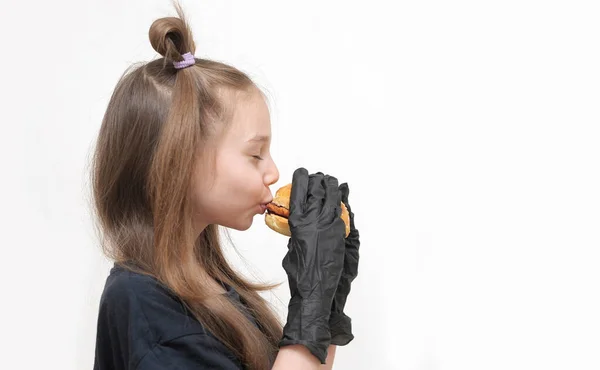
(345,191)
(316,195)
(333,196)
(299,191)
(332,206)
(316,191)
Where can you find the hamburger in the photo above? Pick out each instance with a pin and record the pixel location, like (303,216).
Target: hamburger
(278,212)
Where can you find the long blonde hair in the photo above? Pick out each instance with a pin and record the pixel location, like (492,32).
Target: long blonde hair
(157,119)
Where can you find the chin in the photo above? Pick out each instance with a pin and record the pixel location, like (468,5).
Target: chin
(240,225)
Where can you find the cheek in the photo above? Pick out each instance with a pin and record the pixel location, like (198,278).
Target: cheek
(247,182)
(238,187)
(236,200)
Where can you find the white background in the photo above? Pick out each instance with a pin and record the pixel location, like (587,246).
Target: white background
(467,130)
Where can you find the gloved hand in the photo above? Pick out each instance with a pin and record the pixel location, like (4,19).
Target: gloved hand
(339,323)
(314,261)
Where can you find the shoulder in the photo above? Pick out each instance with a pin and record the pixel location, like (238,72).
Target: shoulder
(133,299)
(143,325)
(124,285)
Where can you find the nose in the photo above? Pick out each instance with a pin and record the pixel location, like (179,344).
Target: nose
(272,174)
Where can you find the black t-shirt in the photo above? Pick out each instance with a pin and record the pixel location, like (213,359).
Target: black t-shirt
(143,326)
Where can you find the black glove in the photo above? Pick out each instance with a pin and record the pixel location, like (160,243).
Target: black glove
(339,323)
(314,261)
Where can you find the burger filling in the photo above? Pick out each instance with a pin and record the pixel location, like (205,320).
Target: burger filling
(278,210)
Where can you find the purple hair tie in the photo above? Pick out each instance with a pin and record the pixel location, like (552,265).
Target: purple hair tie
(188,60)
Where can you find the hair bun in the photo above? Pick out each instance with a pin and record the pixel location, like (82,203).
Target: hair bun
(171,36)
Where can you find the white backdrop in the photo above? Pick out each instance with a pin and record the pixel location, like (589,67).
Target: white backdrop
(467,130)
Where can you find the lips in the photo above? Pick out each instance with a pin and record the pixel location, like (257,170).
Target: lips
(264,206)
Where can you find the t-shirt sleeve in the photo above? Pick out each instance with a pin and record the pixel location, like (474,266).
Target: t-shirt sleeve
(195,351)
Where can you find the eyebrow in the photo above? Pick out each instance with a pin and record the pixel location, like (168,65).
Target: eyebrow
(259,138)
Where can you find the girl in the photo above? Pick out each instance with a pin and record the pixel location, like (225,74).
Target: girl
(183,148)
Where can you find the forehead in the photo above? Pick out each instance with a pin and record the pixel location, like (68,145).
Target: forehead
(250,119)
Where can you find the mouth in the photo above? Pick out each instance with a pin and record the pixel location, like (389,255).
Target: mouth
(264,206)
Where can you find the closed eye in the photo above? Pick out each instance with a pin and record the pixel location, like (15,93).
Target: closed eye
(257,157)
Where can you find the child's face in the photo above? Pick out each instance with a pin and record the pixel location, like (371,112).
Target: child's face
(233,196)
